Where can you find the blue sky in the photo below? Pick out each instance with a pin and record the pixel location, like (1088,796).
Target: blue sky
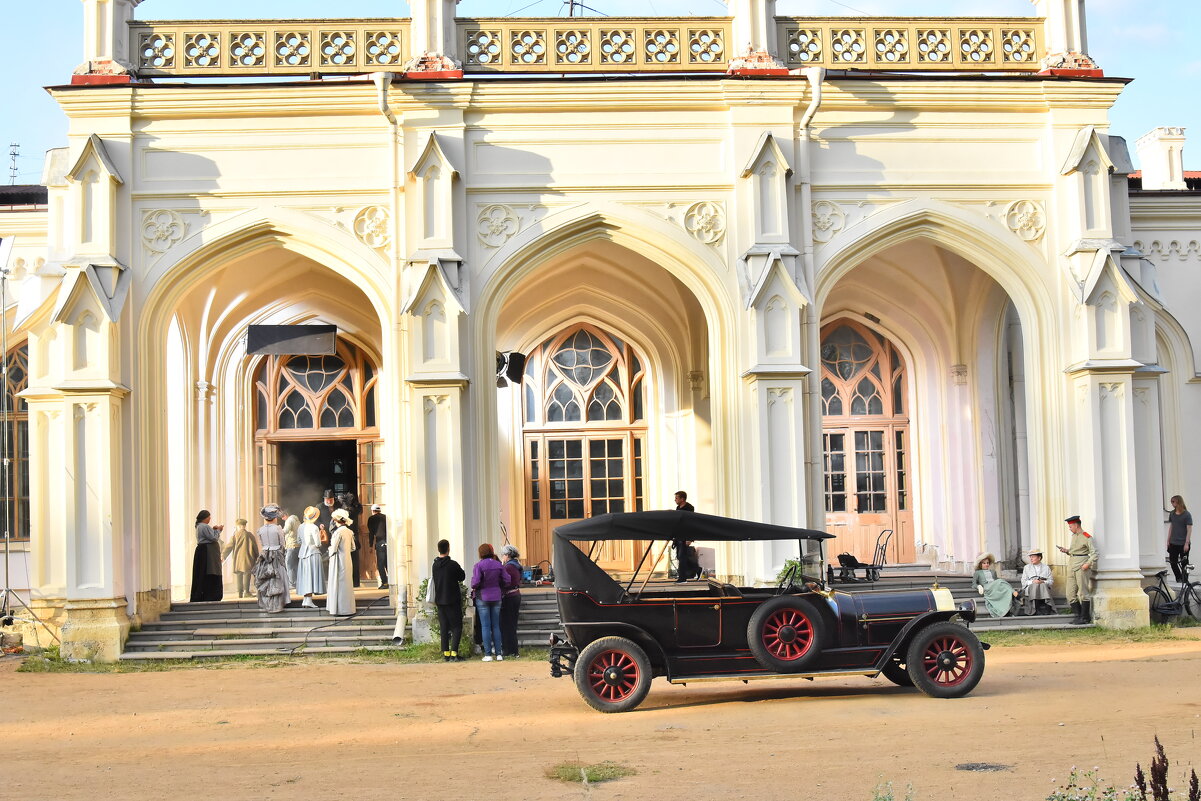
(1152,41)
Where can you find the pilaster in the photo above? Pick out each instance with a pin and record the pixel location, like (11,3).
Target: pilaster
(106,56)
(434,40)
(753,38)
(778,433)
(1066,39)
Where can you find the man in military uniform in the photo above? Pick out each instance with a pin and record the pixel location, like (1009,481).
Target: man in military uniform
(1082,560)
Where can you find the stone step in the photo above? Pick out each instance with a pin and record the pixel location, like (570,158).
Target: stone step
(235,633)
(329,649)
(284,619)
(276,644)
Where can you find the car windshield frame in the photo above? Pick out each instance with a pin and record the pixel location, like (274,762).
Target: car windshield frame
(576,570)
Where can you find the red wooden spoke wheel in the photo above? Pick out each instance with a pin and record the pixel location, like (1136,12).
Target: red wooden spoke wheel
(945,660)
(786,634)
(613,674)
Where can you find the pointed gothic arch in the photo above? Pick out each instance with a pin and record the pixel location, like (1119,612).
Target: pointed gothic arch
(584,435)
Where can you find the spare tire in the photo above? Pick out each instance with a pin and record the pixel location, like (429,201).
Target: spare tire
(786,634)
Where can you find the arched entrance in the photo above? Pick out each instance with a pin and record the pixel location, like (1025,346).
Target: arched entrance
(865,440)
(316,427)
(584,436)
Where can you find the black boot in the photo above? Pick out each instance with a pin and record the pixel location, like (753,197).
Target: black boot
(1086,612)
(1079,614)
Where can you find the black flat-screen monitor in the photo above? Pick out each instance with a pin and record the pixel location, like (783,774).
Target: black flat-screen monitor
(292,340)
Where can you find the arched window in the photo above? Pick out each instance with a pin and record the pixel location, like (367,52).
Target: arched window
(16,439)
(862,373)
(583,376)
(326,394)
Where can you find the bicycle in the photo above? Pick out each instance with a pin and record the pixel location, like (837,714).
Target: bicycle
(1187,601)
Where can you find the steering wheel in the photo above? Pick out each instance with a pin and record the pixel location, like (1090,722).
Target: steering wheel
(786,580)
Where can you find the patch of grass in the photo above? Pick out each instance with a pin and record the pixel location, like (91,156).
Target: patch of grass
(1089,636)
(578,773)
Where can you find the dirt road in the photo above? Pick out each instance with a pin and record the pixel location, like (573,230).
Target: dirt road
(325,730)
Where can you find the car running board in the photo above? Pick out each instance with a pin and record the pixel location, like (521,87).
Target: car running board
(761,676)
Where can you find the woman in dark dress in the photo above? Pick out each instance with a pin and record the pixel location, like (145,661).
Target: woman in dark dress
(510,602)
(207,584)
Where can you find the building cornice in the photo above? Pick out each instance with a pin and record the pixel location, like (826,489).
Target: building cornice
(696,92)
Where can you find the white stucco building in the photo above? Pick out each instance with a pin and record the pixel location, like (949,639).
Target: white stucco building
(846,273)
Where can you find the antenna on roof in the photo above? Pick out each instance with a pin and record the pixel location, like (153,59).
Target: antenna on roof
(576,8)
(13,152)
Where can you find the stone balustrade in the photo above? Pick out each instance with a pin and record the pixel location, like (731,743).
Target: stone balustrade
(582,45)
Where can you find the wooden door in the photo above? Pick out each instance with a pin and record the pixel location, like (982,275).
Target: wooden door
(576,476)
(865,437)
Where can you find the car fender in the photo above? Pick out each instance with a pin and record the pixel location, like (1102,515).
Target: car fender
(654,650)
(902,640)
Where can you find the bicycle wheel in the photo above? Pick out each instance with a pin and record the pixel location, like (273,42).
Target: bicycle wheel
(1192,600)
(1162,608)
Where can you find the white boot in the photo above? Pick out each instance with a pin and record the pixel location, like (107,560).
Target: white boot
(307,603)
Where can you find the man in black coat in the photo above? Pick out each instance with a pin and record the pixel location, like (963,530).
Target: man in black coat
(448,597)
(377,533)
(687,565)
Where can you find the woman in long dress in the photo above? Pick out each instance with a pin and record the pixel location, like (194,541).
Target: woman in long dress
(998,595)
(207,584)
(270,571)
(340,600)
(310,579)
(292,547)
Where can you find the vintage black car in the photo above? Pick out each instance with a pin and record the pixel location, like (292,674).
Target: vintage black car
(622,633)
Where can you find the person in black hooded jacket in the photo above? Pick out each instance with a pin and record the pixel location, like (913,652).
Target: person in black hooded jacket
(445,577)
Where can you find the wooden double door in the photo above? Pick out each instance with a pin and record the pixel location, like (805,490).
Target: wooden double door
(866,443)
(573,476)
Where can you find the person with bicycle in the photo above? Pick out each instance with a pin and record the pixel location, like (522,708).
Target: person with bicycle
(1180,537)
(1082,559)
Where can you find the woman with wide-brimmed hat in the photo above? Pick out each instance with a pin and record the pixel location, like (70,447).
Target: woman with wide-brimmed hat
(310,575)
(998,595)
(340,600)
(271,569)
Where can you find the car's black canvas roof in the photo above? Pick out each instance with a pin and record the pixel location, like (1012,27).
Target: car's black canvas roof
(671,524)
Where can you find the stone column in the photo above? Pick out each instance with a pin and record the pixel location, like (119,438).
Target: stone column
(96,620)
(434,39)
(106,54)
(1107,470)
(439,492)
(753,47)
(780,435)
(1066,38)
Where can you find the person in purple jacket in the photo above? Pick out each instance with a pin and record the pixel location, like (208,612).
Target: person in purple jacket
(489,580)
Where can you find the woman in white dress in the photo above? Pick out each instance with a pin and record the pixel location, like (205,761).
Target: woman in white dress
(340,600)
(310,580)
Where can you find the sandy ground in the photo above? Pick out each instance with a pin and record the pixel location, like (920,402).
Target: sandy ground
(329,730)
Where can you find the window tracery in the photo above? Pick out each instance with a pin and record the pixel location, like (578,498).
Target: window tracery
(583,375)
(295,394)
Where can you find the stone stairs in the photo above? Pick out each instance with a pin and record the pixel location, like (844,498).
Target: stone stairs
(238,628)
